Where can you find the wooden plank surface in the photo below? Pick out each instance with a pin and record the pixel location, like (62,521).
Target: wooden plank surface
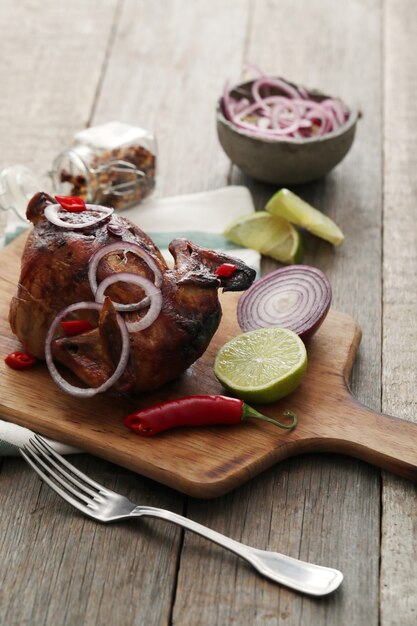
(313,507)
(162,65)
(399,501)
(52,58)
(176,53)
(209,462)
(57,567)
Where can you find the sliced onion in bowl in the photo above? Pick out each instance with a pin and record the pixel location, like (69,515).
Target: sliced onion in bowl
(261,109)
(123,246)
(84,219)
(297,297)
(153,293)
(88,392)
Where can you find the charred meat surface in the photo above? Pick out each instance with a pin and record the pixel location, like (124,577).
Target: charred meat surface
(54,274)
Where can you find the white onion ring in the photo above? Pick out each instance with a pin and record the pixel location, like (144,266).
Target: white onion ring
(89,392)
(51,213)
(154,294)
(297,297)
(123,246)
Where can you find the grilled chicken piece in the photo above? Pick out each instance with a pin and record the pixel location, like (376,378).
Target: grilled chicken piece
(54,274)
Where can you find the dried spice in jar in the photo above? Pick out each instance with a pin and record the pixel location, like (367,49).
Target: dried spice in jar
(113,164)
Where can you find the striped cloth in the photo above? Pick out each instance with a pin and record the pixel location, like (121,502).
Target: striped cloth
(200,217)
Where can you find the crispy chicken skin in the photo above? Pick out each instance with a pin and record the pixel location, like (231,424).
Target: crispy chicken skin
(54,274)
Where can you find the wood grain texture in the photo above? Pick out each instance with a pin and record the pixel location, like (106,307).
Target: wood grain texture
(52,57)
(399,538)
(176,53)
(142,61)
(330,519)
(58,568)
(209,462)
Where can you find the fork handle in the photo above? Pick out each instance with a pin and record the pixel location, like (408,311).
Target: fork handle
(306,577)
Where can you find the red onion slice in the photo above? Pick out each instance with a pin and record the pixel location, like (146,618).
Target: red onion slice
(296,297)
(279,99)
(281,84)
(152,292)
(123,246)
(84,220)
(89,392)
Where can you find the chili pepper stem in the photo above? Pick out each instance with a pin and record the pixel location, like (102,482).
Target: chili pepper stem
(248,411)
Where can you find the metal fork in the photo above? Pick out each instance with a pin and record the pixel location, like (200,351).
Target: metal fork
(105,505)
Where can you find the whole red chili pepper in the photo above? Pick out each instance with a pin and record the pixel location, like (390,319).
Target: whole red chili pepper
(71,203)
(196,411)
(226,270)
(20,360)
(76,327)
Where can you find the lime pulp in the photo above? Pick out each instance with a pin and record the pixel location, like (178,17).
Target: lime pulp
(270,235)
(286,204)
(262,365)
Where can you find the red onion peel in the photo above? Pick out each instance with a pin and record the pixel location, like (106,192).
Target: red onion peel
(297,297)
(124,247)
(152,292)
(89,392)
(84,219)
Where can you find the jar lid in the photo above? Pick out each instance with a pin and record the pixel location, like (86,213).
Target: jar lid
(17,186)
(112,135)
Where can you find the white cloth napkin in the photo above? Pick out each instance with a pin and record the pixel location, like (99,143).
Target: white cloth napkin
(13,437)
(200,217)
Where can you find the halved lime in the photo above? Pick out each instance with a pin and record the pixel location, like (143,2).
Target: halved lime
(269,235)
(288,205)
(262,365)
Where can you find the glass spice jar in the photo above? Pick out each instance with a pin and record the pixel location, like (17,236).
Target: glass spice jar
(17,185)
(113,164)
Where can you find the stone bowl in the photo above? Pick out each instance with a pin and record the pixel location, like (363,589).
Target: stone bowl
(281,161)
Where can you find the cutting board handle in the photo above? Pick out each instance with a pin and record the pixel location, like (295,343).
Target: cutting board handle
(385,441)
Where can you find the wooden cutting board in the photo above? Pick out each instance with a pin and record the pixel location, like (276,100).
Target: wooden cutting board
(208,462)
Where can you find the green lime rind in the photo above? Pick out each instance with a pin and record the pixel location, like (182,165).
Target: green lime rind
(270,235)
(287,205)
(262,365)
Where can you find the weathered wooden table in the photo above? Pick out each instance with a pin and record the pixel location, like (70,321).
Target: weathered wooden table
(65,65)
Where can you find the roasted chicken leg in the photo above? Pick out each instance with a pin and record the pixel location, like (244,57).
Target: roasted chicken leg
(54,274)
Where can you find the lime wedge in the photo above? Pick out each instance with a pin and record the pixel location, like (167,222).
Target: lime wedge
(262,365)
(288,205)
(269,235)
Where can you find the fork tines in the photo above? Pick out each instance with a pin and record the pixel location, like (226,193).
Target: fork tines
(71,484)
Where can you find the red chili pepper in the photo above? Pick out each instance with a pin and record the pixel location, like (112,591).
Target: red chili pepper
(196,411)
(20,360)
(226,270)
(71,203)
(76,327)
